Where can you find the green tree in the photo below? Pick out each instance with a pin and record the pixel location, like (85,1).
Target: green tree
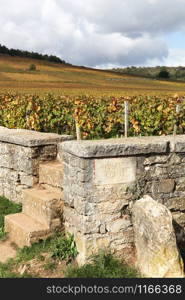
(163,73)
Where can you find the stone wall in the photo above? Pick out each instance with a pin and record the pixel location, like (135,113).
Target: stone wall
(21,151)
(103,179)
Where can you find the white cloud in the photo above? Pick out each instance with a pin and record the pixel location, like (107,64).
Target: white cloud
(175,58)
(93,32)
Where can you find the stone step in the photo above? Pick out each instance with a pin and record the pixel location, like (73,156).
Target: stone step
(49,188)
(51,173)
(24,230)
(43,205)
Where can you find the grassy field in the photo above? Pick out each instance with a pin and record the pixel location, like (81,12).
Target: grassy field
(63,79)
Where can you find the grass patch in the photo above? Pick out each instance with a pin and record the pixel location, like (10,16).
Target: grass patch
(50,265)
(28,253)
(64,248)
(23,255)
(103,265)
(5,271)
(59,247)
(52,251)
(3,234)
(7,207)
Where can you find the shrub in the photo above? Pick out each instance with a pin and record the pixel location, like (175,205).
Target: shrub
(64,248)
(32,67)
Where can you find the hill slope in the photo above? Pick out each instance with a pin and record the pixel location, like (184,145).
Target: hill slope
(174,73)
(48,76)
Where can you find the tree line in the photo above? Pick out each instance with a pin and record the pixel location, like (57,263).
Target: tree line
(28,54)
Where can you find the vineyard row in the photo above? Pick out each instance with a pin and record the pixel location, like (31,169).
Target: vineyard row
(101,117)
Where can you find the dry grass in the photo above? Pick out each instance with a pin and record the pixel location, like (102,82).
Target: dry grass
(31,78)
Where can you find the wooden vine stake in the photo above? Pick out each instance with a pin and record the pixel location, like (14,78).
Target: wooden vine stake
(175,126)
(126,118)
(78,131)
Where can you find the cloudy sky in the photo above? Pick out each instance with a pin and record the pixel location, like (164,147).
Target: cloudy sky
(97,33)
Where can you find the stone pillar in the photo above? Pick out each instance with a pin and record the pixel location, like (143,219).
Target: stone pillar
(99,177)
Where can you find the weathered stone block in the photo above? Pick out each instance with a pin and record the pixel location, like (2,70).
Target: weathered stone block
(157,159)
(157,253)
(89,244)
(24,231)
(104,193)
(30,138)
(102,228)
(115,147)
(114,170)
(28,180)
(174,159)
(118,225)
(42,205)
(47,153)
(111,207)
(180,184)
(176,204)
(51,173)
(159,172)
(166,186)
(84,224)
